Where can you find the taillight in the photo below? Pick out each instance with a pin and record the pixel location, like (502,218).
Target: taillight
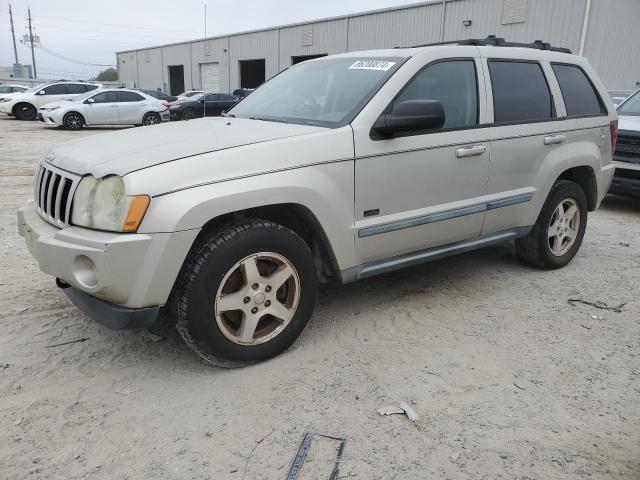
(613,126)
(165,104)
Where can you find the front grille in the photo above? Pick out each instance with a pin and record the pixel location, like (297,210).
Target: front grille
(53,192)
(627,149)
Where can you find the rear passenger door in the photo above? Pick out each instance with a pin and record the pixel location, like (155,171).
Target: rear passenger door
(131,107)
(427,188)
(525,137)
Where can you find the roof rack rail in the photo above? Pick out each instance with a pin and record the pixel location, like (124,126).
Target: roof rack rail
(494,41)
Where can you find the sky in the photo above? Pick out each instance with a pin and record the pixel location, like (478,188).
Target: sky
(91,31)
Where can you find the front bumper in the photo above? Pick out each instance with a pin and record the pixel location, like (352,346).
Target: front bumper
(6,107)
(50,117)
(626,179)
(128,271)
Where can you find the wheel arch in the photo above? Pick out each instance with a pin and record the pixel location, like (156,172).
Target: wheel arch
(14,109)
(295,217)
(585,177)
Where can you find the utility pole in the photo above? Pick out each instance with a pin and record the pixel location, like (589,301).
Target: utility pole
(13,35)
(31,40)
(205,20)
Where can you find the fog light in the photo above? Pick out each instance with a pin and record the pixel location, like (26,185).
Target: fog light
(84,271)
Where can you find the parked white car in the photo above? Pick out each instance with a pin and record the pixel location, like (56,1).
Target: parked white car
(8,90)
(105,107)
(25,105)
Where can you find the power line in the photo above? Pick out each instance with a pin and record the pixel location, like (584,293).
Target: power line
(109,33)
(73,60)
(137,27)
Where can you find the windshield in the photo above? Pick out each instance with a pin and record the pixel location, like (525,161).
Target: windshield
(631,106)
(327,92)
(33,89)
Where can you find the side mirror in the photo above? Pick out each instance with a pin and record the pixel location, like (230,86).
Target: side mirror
(89,101)
(41,92)
(202,100)
(410,116)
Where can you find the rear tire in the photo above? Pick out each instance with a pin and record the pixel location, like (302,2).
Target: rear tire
(25,111)
(73,121)
(151,118)
(232,314)
(557,234)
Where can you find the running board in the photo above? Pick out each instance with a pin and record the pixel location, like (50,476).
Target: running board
(415,258)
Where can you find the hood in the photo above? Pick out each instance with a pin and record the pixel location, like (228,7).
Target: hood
(11,95)
(629,122)
(133,149)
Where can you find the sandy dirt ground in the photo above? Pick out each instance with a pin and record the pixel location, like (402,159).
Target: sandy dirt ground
(509,379)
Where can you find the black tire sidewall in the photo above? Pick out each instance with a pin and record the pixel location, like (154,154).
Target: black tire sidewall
(565,191)
(188,114)
(66,117)
(150,115)
(202,324)
(30,108)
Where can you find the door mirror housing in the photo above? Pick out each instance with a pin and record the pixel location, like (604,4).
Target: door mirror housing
(410,116)
(41,92)
(89,100)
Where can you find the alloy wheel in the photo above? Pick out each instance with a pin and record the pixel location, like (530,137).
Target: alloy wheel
(257,298)
(564,227)
(73,121)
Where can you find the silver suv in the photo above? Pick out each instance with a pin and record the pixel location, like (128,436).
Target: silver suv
(337,169)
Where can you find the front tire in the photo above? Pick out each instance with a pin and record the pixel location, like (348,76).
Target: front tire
(245,293)
(188,114)
(73,121)
(151,118)
(557,234)
(25,111)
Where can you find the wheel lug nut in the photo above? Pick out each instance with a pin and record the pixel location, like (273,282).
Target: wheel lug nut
(267,303)
(247,299)
(254,286)
(268,288)
(254,310)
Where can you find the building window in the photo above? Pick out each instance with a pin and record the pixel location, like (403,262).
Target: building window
(514,11)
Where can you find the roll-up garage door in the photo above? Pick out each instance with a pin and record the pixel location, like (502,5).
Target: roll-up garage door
(210,77)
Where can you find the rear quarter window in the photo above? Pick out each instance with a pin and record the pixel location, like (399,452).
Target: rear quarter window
(520,92)
(580,96)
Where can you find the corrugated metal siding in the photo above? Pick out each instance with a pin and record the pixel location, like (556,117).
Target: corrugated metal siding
(177,55)
(412,26)
(128,69)
(613,42)
(326,37)
(558,22)
(150,73)
(254,46)
(217,53)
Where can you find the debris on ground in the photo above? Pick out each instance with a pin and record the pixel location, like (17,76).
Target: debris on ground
(305,445)
(599,305)
(518,386)
(401,408)
(149,335)
(79,340)
(258,442)
(624,244)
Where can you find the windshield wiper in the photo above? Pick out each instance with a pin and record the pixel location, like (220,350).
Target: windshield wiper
(279,120)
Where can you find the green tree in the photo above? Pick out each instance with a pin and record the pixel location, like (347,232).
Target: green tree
(107,75)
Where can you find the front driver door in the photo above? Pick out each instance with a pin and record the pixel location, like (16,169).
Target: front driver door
(425,189)
(103,110)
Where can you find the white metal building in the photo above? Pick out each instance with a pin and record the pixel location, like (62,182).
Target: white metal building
(605,31)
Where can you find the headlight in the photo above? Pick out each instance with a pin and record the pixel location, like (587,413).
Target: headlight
(50,109)
(2,100)
(104,205)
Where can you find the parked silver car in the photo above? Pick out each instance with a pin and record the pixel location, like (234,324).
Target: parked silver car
(626,179)
(337,169)
(105,107)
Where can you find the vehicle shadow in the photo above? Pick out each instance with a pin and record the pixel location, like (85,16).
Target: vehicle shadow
(619,203)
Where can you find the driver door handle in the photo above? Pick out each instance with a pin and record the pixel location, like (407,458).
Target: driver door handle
(471,151)
(554,139)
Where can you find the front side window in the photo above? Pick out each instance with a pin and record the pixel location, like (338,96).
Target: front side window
(328,92)
(129,97)
(5,89)
(57,89)
(105,97)
(631,106)
(454,84)
(520,92)
(580,98)
(211,97)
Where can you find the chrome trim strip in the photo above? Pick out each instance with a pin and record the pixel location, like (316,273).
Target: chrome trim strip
(444,215)
(414,258)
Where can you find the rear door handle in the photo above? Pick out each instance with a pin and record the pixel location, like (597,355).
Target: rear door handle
(471,151)
(554,139)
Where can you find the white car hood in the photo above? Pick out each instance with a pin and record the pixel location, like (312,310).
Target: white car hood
(629,122)
(64,103)
(11,95)
(129,150)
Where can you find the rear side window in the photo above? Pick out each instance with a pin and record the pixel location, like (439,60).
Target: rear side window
(90,87)
(129,97)
(520,92)
(75,88)
(580,97)
(454,84)
(56,89)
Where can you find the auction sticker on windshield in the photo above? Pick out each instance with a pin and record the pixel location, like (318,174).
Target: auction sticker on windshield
(380,65)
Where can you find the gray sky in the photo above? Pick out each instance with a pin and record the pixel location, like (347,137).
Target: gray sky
(92,31)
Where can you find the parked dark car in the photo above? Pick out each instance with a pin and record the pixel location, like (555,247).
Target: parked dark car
(160,95)
(242,92)
(208,104)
